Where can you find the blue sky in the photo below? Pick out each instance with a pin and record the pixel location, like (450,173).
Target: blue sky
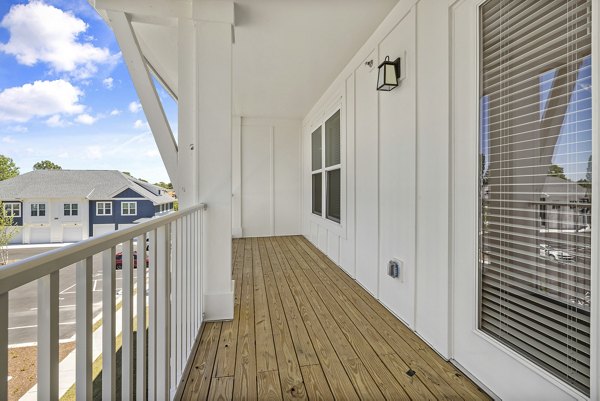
(66,94)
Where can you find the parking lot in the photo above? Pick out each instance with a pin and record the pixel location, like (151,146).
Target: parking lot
(23,301)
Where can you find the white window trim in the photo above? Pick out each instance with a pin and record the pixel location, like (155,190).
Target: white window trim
(103,207)
(38,209)
(70,205)
(12,206)
(129,207)
(338,227)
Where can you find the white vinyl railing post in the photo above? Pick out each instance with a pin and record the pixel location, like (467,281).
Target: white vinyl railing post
(179,297)
(127,383)
(47,364)
(109,357)
(83,329)
(140,355)
(4,345)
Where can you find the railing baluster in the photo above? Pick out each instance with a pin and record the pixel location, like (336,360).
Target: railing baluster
(152,319)
(193,278)
(179,298)
(188,269)
(162,310)
(184,292)
(48,337)
(127,308)
(83,329)
(198,245)
(141,319)
(109,358)
(174,371)
(4,346)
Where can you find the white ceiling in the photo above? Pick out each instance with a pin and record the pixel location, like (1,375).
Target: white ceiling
(286,52)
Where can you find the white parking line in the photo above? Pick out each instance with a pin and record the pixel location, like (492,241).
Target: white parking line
(67,289)
(35,325)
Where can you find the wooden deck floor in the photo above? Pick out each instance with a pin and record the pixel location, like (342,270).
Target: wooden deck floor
(303,329)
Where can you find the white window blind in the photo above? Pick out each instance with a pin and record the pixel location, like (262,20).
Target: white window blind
(535,182)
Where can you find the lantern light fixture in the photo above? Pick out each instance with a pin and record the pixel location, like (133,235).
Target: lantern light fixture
(390,74)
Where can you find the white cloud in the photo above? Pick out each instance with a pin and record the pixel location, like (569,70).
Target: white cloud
(86,119)
(108,82)
(39,99)
(139,124)
(8,139)
(42,33)
(18,128)
(152,153)
(56,121)
(115,112)
(135,107)
(64,155)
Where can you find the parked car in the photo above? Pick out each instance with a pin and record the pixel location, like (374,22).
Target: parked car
(119,260)
(547,250)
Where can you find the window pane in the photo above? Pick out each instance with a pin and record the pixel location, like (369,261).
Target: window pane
(317,148)
(317,190)
(333,195)
(332,140)
(535,182)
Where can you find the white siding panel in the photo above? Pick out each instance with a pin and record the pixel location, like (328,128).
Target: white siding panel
(322,239)
(367,199)
(39,235)
(333,247)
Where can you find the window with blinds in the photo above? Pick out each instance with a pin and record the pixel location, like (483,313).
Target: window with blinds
(535,182)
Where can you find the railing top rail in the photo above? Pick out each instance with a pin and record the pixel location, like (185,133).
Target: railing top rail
(27,270)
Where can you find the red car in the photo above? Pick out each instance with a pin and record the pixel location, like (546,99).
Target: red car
(119,260)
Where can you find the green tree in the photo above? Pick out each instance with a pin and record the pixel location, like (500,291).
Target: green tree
(164,185)
(7,231)
(8,168)
(557,171)
(46,165)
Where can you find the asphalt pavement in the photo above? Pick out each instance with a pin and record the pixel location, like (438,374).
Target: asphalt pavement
(22,318)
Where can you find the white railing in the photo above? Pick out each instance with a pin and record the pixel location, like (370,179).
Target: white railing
(172,315)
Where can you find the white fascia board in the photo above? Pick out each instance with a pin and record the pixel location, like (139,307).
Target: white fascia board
(150,10)
(214,11)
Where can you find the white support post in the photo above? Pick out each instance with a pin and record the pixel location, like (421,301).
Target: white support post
(214,116)
(83,330)
(142,81)
(152,335)
(109,357)
(140,356)
(4,346)
(127,384)
(48,337)
(162,313)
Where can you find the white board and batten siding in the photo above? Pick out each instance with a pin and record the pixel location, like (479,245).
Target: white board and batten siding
(266,188)
(398,148)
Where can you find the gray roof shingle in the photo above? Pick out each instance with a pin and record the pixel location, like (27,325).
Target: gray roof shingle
(90,184)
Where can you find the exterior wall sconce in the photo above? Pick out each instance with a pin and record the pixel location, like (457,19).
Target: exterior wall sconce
(390,74)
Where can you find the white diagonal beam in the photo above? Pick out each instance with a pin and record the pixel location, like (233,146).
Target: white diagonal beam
(142,81)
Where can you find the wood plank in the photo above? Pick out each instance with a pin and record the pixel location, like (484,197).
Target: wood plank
(244,386)
(269,388)
(221,389)
(340,384)
(362,380)
(439,373)
(225,362)
(316,384)
(302,344)
(386,382)
(290,375)
(199,379)
(265,348)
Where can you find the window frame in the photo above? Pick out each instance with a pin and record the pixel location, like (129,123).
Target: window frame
(12,208)
(103,208)
(70,208)
(38,210)
(319,123)
(129,203)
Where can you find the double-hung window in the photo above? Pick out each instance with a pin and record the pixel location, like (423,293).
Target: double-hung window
(326,169)
(38,209)
(71,209)
(128,208)
(535,182)
(103,208)
(12,209)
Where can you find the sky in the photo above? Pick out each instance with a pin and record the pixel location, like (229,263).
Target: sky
(66,94)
